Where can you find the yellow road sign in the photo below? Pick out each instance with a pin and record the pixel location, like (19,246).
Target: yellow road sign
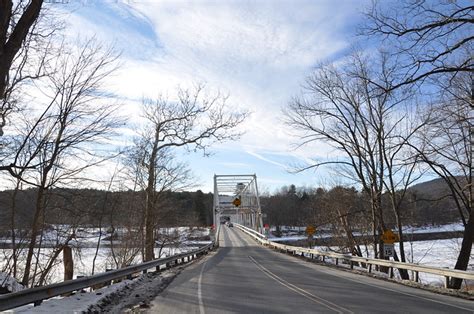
(236,202)
(389,237)
(310,230)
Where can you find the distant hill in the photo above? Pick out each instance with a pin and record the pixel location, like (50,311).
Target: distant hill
(433,189)
(434,204)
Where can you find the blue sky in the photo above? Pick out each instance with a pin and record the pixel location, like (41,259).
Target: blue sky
(259,52)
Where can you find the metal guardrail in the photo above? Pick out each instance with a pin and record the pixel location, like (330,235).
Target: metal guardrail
(447,273)
(254,233)
(38,294)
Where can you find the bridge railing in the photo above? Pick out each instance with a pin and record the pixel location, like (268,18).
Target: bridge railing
(38,294)
(364,261)
(253,233)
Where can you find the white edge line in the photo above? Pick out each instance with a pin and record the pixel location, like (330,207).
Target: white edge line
(201,303)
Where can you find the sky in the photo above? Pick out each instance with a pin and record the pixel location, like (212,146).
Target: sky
(257,52)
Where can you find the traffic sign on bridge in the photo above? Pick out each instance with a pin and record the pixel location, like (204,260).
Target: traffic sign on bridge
(237,202)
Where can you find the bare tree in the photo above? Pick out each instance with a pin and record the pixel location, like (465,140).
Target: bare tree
(193,122)
(58,142)
(432,42)
(344,109)
(340,208)
(16,23)
(168,174)
(445,145)
(428,38)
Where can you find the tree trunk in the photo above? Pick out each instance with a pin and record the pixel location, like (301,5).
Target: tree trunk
(403,272)
(10,47)
(465,253)
(68,263)
(149,238)
(13,230)
(150,202)
(34,235)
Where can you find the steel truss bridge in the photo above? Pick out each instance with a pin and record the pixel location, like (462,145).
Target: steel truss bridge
(236,196)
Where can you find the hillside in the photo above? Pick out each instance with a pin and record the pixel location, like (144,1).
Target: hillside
(433,189)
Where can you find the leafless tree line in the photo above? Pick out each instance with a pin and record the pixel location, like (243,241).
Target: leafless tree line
(395,115)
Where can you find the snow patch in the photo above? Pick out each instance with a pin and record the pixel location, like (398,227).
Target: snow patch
(9,284)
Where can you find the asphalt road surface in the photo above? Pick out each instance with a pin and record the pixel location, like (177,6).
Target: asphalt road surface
(244,277)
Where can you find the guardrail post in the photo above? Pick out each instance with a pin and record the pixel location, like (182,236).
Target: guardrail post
(337,261)
(391,272)
(446,282)
(352,264)
(370,268)
(417,276)
(110,281)
(324,259)
(79,277)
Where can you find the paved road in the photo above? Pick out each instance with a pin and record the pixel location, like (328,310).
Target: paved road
(243,277)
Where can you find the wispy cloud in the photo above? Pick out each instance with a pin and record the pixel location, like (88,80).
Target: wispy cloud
(261,157)
(257,51)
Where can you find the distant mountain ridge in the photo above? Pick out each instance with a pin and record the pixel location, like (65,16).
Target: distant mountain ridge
(435,188)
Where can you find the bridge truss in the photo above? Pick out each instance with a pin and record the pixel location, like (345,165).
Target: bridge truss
(246,211)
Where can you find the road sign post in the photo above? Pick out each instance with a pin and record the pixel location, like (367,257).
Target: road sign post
(310,231)
(389,238)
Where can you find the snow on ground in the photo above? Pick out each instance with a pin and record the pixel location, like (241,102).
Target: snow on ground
(287,238)
(9,284)
(458,226)
(88,236)
(77,303)
(114,298)
(434,253)
(185,239)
